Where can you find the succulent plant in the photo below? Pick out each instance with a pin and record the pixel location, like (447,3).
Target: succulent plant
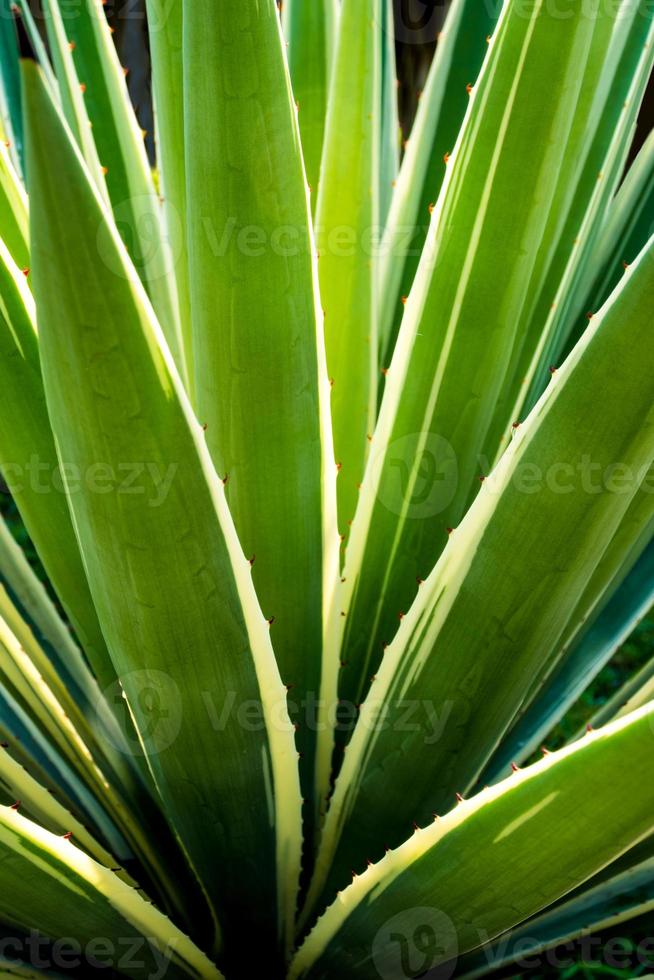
(338,457)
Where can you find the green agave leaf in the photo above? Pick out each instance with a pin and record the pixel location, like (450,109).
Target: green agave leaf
(594,649)
(461,49)
(390,132)
(14,228)
(605,906)
(50,885)
(72,98)
(22,12)
(11,968)
(639,690)
(262,389)
(462,319)
(627,547)
(36,754)
(21,660)
(167,56)
(28,462)
(436,699)
(119,141)
(30,466)
(38,803)
(32,602)
(599,806)
(10,107)
(310,29)
(614,104)
(115,778)
(627,227)
(170,582)
(347,226)
(105,772)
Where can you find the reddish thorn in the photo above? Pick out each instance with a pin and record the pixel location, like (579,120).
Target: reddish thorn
(405,300)
(431,208)
(69,835)
(225,479)
(82,88)
(469,88)
(400,616)
(459,798)
(270,621)
(419,580)
(514,767)
(516,425)
(16,805)
(589,729)
(446,158)
(384,371)
(252,560)
(415,826)
(72,45)
(589,316)
(25,272)
(450,530)
(205,426)
(625,265)
(544,750)
(339,467)
(553,370)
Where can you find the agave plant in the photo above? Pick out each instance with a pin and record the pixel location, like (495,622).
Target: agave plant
(339,460)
